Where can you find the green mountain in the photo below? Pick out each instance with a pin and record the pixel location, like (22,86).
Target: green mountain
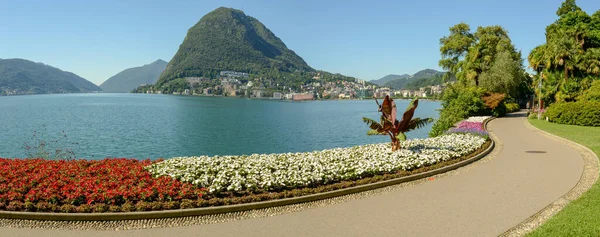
(427,77)
(24,77)
(131,78)
(228,40)
(390,77)
(426,73)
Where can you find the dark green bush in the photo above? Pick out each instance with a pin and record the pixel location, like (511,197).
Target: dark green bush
(459,102)
(499,111)
(583,113)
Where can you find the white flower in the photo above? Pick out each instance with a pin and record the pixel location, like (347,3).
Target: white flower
(269,171)
(479,119)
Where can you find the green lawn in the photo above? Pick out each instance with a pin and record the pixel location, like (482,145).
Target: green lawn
(582,216)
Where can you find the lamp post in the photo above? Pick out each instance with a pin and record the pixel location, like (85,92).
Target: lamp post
(541,69)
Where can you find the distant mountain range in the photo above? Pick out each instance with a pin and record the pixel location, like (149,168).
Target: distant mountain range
(24,77)
(129,79)
(427,77)
(390,77)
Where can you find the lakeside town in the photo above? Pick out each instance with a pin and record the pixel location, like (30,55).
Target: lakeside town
(232,84)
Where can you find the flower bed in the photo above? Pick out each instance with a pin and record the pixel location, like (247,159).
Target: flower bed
(123,185)
(471,125)
(479,119)
(88,186)
(275,172)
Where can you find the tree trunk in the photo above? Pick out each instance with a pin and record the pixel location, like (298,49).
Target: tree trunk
(395,145)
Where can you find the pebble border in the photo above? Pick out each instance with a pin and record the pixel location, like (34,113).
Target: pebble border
(588,178)
(211,215)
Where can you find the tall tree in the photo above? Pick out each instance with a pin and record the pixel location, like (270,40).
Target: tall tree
(504,76)
(467,55)
(566,7)
(454,48)
(571,50)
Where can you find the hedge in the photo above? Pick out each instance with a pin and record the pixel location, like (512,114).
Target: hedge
(583,113)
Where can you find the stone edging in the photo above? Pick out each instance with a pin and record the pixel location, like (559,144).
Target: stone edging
(239,207)
(588,178)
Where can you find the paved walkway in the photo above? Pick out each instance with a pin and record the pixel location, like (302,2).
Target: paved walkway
(485,199)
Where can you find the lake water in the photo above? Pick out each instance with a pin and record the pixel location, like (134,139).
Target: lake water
(155,126)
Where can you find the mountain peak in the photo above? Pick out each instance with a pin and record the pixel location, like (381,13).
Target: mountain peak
(389,77)
(159,61)
(226,39)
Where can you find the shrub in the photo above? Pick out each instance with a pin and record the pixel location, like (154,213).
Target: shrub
(499,111)
(583,113)
(591,94)
(459,102)
(512,107)
(495,102)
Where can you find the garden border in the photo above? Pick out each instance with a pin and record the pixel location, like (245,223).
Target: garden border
(238,207)
(589,176)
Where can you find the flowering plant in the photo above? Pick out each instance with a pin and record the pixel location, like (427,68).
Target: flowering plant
(40,183)
(472,125)
(480,119)
(274,172)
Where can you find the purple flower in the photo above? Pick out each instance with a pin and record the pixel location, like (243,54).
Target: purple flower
(469,127)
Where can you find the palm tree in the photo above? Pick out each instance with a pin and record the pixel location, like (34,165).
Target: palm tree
(390,126)
(538,57)
(562,51)
(590,61)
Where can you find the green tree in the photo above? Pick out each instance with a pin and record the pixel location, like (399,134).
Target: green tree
(504,76)
(566,7)
(571,53)
(454,48)
(467,55)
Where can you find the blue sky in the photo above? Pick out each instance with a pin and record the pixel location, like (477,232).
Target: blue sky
(364,39)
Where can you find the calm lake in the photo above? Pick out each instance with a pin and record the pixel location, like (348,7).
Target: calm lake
(154,126)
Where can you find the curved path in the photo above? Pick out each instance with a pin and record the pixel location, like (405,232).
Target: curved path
(525,173)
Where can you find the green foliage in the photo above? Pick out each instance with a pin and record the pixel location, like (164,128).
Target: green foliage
(583,113)
(467,55)
(499,111)
(485,63)
(459,102)
(511,107)
(571,54)
(505,75)
(566,7)
(177,85)
(390,125)
(414,83)
(592,93)
(19,76)
(131,78)
(392,77)
(227,39)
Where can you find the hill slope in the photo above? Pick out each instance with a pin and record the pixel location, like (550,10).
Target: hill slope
(131,78)
(22,77)
(228,39)
(390,77)
(427,77)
